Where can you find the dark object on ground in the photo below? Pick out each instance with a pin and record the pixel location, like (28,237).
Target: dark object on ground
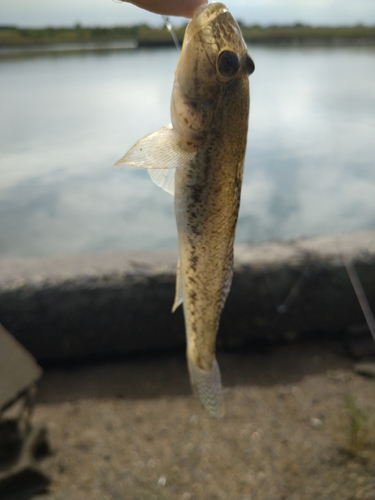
(21,442)
(20,475)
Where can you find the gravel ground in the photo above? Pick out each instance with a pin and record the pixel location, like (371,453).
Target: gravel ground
(299,425)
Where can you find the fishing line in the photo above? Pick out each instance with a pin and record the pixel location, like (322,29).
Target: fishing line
(358,290)
(361,296)
(283,306)
(169,27)
(295,290)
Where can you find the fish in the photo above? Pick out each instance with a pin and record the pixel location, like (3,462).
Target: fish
(199,158)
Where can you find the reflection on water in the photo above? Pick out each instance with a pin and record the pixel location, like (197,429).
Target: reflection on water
(65,119)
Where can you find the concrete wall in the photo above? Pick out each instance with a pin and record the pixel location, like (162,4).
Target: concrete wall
(113,304)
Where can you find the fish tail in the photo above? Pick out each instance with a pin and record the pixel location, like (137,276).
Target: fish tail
(207,385)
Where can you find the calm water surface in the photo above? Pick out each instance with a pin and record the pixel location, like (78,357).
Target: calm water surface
(65,119)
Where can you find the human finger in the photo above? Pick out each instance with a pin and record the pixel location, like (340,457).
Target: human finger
(184,8)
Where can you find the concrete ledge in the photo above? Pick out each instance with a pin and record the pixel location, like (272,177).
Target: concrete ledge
(114,304)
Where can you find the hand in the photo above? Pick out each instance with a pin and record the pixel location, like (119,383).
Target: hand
(183,8)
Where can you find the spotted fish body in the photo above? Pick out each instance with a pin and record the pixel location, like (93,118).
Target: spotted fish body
(200,159)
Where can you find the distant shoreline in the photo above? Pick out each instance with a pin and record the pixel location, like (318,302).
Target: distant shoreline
(13,39)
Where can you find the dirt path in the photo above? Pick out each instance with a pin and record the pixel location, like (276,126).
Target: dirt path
(299,425)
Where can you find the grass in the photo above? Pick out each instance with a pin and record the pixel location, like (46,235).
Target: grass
(358,427)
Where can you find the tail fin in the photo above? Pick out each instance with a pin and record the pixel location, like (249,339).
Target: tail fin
(207,385)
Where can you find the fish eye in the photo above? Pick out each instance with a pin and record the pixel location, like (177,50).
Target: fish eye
(228,63)
(249,65)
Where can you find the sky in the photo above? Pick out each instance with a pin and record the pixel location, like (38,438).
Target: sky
(40,13)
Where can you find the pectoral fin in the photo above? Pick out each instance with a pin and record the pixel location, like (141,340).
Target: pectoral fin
(164,178)
(207,385)
(161,152)
(161,149)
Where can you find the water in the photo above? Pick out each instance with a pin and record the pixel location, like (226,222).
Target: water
(66,118)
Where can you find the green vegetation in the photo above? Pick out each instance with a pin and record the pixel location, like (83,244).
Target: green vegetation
(305,34)
(78,34)
(358,426)
(146,35)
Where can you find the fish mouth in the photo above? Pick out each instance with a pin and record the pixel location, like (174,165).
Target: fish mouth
(203,16)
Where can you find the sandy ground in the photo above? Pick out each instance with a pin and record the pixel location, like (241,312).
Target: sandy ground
(299,425)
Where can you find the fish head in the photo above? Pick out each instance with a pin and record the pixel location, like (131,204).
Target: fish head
(213,54)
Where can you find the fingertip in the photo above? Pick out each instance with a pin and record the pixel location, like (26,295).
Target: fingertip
(190,6)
